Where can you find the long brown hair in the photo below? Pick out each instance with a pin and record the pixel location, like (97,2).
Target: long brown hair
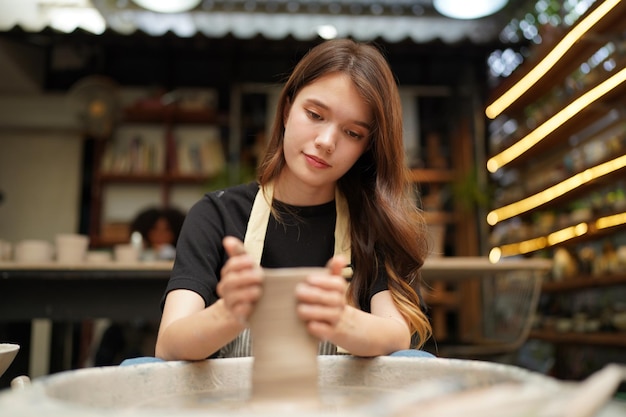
(386,228)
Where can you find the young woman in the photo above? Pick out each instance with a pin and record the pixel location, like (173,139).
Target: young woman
(332,190)
(159,229)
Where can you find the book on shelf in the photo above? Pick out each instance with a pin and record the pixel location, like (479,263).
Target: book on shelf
(199,151)
(135,152)
(138,156)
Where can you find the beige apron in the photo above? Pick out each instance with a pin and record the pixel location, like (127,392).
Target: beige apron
(259,219)
(254,241)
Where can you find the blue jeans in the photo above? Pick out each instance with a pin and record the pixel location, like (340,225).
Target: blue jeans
(140,360)
(412,353)
(407,353)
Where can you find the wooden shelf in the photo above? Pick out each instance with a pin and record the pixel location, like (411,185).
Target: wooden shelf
(98,242)
(578,191)
(155,162)
(584,282)
(550,158)
(593,233)
(131,178)
(609,27)
(187,179)
(570,338)
(439,217)
(172,114)
(432,175)
(149,178)
(575,124)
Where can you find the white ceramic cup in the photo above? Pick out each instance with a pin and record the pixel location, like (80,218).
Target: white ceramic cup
(71,248)
(6,250)
(33,251)
(8,351)
(99,257)
(126,253)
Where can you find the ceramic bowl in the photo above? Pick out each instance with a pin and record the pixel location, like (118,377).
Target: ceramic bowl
(8,352)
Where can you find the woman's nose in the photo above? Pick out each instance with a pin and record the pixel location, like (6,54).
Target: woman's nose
(326,139)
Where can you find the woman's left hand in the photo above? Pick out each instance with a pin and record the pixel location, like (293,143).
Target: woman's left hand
(322,300)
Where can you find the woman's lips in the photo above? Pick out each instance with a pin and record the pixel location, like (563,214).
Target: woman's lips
(316,162)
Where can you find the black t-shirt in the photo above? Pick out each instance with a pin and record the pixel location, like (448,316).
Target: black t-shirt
(303,237)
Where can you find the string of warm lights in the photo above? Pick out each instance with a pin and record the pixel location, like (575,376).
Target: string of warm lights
(611,221)
(533,138)
(555,191)
(556,237)
(534,75)
(546,128)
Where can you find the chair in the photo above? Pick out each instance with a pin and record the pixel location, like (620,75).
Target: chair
(509,304)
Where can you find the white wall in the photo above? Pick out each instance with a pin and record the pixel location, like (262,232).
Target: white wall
(40,177)
(40,167)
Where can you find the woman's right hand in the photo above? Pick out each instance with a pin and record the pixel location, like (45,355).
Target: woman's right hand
(189,330)
(240,285)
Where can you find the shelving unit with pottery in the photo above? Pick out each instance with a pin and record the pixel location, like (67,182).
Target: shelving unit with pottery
(440,152)
(558,163)
(160,155)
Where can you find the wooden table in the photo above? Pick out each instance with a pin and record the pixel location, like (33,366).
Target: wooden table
(74,293)
(452,288)
(86,291)
(52,292)
(133,291)
(471,267)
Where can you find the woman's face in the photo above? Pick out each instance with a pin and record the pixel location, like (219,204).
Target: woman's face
(327,129)
(161,234)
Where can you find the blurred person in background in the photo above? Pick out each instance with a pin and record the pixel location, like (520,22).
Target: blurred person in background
(159,229)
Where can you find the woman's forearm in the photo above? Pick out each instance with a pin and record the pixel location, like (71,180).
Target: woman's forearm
(365,334)
(199,335)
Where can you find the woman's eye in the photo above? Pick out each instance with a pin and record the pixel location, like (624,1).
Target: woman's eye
(313,115)
(354,134)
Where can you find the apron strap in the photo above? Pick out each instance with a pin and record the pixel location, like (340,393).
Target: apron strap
(259,218)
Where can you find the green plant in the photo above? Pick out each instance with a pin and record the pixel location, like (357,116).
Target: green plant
(469,192)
